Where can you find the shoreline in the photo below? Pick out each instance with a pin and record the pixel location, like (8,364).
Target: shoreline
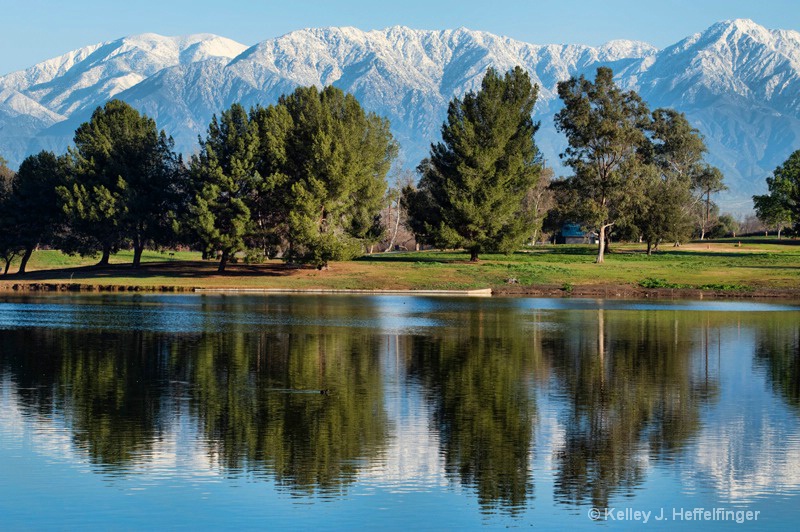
(591,291)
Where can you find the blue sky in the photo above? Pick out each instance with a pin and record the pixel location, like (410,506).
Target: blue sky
(34,30)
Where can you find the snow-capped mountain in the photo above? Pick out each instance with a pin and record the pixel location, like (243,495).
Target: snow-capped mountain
(738,83)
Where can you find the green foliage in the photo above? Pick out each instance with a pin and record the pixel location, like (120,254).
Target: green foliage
(726,226)
(726,287)
(782,204)
(124,184)
(652,282)
(706,182)
(633,171)
(35,204)
(664,211)
(474,184)
(226,182)
(605,133)
(772,211)
(10,246)
(331,174)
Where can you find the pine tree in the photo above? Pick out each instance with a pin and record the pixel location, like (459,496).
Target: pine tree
(124,177)
(226,181)
(333,178)
(35,203)
(9,241)
(473,186)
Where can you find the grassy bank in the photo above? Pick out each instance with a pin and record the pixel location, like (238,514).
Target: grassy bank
(721,266)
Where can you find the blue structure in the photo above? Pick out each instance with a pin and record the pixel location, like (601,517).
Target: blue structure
(571,233)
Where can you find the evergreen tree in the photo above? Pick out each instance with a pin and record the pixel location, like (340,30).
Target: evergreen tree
(9,241)
(782,204)
(424,215)
(226,182)
(269,208)
(333,177)
(35,203)
(473,186)
(125,177)
(605,132)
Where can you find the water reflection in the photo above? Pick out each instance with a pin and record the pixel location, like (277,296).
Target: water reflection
(631,397)
(317,395)
(478,379)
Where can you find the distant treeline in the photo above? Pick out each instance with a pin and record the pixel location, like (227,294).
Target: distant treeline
(306,179)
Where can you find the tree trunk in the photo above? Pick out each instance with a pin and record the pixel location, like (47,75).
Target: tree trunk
(24,263)
(707,216)
(396,228)
(137,255)
(105,257)
(649,248)
(223,261)
(473,255)
(601,248)
(7,266)
(779,232)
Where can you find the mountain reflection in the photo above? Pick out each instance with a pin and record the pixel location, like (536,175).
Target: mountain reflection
(312,395)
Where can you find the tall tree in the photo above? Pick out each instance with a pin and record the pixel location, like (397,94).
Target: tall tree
(270,203)
(605,132)
(783,201)
(35,202)
(538,201)
(123,183)
(337,158)
(225,175)
(708,181)
(676,155)
(477,178)
(9,241)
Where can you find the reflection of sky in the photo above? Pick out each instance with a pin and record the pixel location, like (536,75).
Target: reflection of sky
(749,446)
(411,460)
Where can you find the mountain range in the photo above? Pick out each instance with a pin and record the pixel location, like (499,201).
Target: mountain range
(737,82)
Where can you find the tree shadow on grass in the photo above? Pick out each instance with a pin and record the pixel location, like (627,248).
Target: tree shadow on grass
(169,270)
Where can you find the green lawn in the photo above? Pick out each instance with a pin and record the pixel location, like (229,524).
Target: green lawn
(731,264)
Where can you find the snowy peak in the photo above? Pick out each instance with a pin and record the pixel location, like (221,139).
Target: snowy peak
(625,49)
(80,78)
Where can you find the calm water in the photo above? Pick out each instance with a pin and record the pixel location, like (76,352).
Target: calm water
(207,412)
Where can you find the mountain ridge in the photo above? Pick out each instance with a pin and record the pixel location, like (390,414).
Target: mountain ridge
(737,82)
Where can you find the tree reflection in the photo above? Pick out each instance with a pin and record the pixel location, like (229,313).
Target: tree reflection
(256,397)
(478,380)
(105,385)
(306,407)
(778,352)
(631,396)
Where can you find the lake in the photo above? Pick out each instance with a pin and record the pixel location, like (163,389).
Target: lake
(300,411)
